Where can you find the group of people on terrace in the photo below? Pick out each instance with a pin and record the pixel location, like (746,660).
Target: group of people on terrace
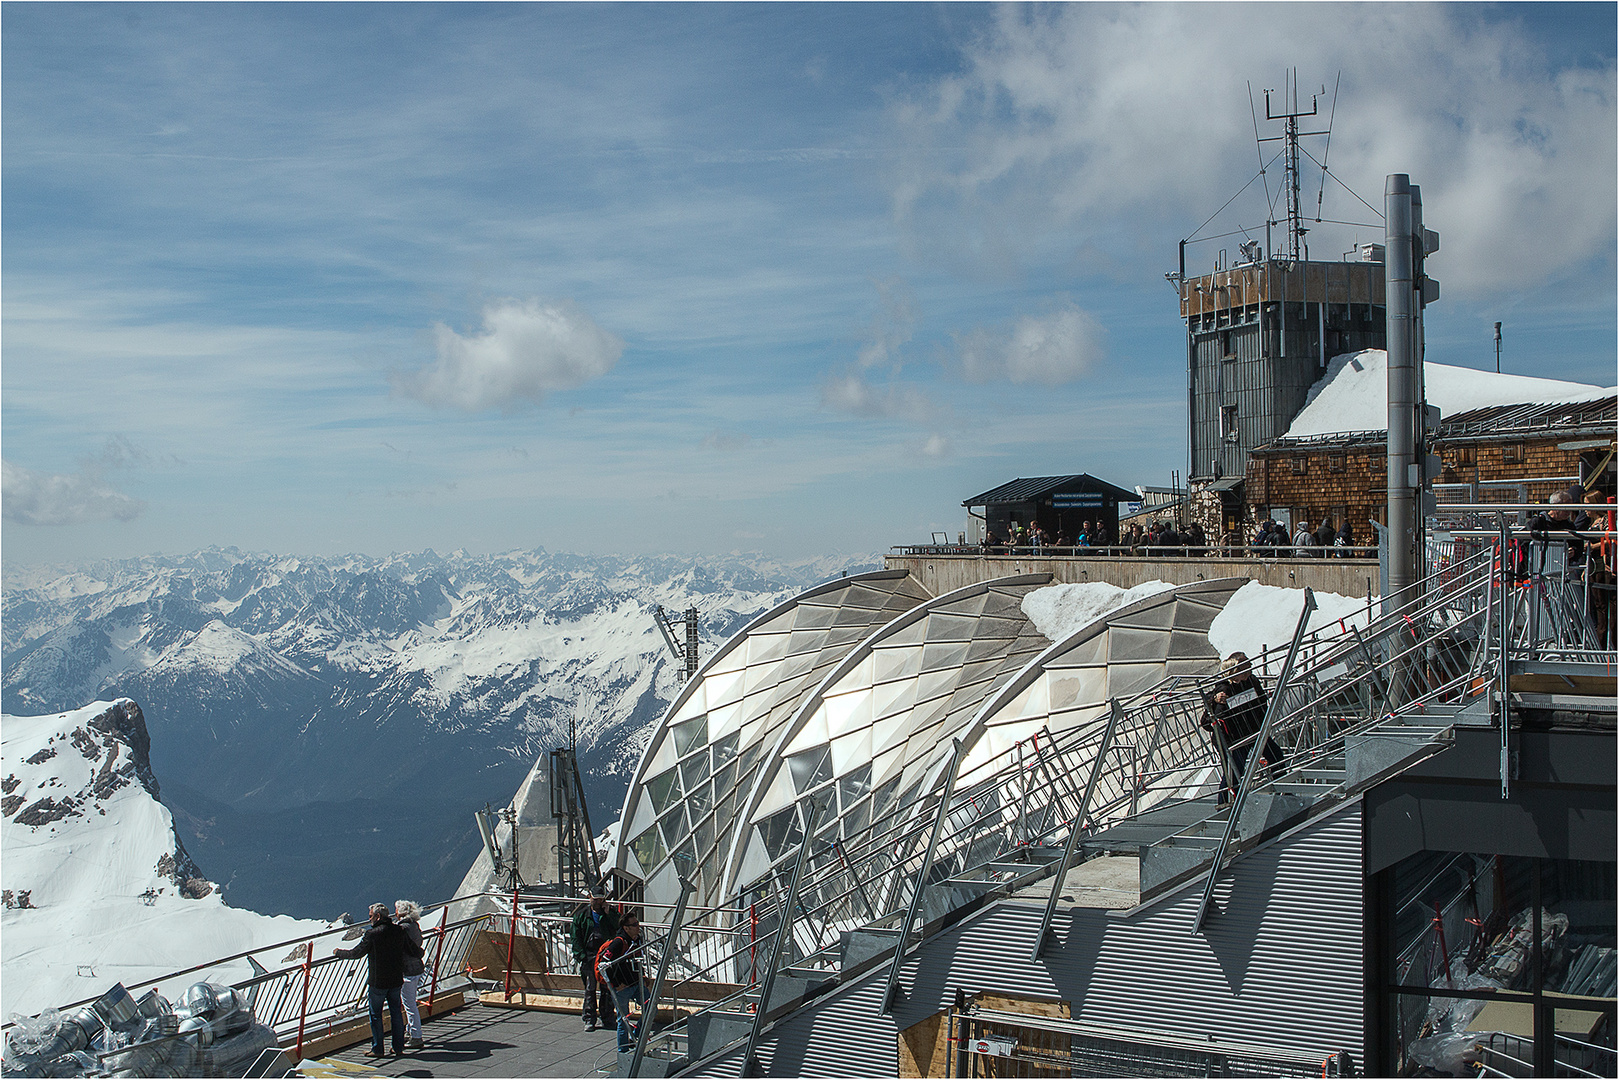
(1165,537)
(1304,542)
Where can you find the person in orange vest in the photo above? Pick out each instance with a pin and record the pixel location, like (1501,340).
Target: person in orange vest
(618,967)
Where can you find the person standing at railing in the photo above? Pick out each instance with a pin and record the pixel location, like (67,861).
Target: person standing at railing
(1599,568)
(618,965)
(1234,711)
(593,926)
(408,914)
(385,945)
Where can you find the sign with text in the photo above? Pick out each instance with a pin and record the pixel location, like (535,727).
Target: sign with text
(1077,500)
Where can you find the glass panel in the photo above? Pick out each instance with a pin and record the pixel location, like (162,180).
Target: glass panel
(725,749)
(663,791)
(673,828)
(857,818)
(853,786)
(698,802)
(781,832)
(883,801)
(692,733)
(649,849)
(810,768)
(725,779)
(704,835)
(694,772)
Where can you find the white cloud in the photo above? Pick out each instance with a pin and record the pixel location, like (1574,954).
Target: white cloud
(1049,349)
(527,349)
(33,498)
(1077,123)
(849,391)
(937,446)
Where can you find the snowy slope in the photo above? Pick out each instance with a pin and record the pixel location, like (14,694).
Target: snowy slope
(345,715)
(1353,394)
(98,887)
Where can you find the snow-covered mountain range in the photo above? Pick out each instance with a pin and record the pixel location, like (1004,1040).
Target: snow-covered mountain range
(98,887)
(325,726)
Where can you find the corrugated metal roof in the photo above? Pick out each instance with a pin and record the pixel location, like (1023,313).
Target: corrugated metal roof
(1279,962)
(1027,489)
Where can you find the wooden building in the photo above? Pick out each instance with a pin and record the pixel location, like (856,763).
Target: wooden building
(1061,504)
(1503,453)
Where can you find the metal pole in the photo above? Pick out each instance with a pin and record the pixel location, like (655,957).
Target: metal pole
(649,1008)
(1401,333)
(511,939)
(1507,571)
(922,876)
(438,955)
(784,929)
(1252,764)
(303,1010)
(1076,828)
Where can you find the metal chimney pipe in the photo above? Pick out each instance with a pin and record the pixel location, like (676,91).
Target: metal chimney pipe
(1400,300)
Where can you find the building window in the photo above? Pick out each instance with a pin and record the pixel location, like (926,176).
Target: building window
(1512,453)
(1461,456)
(1301,465)
(1225,345)
(1336,462)
(1228,423)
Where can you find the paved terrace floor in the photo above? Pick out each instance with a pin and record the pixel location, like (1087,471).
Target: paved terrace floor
(488,1041)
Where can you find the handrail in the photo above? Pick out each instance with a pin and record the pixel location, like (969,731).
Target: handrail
(1251,764)
(1115,713)
(886,1002)
(246,954)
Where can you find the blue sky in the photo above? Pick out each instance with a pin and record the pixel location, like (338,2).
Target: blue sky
(795,279)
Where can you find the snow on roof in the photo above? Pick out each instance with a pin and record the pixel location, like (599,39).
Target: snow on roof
(1353,394)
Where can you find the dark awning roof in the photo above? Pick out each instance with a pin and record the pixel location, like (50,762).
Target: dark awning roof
(1228,483)
(1028,489)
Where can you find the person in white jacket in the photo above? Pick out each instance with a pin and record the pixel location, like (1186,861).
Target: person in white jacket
(408,914)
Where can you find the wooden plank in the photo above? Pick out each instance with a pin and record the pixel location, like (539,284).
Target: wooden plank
(924,1047)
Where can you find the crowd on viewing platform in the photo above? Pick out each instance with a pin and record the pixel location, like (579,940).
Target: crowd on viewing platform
(1163,539)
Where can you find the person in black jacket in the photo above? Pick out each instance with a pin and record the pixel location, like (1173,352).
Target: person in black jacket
(1234,712)
(386,946)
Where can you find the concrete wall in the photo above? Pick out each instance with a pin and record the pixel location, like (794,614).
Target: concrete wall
(942,573)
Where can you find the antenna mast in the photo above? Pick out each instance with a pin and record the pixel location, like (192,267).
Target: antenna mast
(1296,230)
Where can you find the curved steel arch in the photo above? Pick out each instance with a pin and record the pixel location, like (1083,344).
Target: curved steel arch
(964,666)
(753,682)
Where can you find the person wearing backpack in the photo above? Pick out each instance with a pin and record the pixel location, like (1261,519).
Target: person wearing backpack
(618,966)
(593,926)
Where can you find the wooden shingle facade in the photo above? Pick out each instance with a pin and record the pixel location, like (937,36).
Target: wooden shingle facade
(1505,453)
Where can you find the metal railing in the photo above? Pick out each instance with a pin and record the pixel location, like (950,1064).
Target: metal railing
(1242,550)
(303,996)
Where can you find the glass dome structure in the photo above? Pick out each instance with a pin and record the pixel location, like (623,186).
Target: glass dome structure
(703,759)
(851,698)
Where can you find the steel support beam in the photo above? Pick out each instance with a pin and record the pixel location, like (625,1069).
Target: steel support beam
(886,1004)
(649,1010)
(1115,714)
